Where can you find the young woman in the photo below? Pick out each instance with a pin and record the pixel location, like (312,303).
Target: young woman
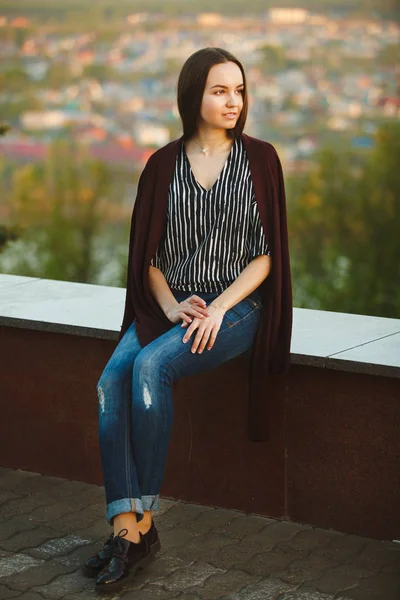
(208,279)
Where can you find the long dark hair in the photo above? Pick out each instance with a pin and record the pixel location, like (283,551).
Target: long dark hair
(191,84)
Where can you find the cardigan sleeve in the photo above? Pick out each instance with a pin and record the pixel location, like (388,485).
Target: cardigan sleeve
(270,356)
(129,313)
(280,355)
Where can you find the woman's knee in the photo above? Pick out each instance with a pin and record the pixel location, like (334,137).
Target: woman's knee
(109,378)
(118,368)
(151,369)
(112,381)
(120,364)
(151,361)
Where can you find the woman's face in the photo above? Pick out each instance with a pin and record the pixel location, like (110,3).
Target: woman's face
(223,94)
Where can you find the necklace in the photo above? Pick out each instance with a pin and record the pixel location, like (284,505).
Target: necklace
(204,150)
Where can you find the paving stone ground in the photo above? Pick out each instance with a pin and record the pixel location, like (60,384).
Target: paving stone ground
(50,526)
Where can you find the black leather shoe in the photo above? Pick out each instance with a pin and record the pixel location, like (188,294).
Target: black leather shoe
(153,540)
(96,563)
(126,558)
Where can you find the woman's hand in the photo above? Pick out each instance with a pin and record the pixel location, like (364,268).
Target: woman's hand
(207,329)
(192,307)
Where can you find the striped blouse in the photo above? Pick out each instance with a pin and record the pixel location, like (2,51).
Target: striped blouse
(210,235)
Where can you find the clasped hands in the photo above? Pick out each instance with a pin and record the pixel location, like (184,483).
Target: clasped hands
(195,314)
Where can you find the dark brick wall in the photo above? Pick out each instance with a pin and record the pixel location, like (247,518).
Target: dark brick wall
(49,402)
(343,432)
(340,441)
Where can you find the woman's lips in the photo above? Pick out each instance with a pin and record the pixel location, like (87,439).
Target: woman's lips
(230,115)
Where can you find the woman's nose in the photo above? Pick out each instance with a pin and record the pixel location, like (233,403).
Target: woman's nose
(232,100)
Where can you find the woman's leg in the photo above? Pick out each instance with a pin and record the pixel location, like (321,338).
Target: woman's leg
(114,388)
(157,366)
(122,490)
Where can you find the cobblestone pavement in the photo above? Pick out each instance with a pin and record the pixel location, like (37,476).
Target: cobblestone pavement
(50,526)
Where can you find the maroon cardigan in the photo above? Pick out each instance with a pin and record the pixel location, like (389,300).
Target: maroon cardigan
(270,353)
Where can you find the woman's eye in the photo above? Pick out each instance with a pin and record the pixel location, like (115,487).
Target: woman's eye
(239,91)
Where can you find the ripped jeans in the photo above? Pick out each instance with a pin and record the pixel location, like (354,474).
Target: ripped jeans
(136,404)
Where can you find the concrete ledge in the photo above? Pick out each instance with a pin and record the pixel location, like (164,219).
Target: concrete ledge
(334,340)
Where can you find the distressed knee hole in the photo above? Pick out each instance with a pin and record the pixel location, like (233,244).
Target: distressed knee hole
(146,396)
(102,400)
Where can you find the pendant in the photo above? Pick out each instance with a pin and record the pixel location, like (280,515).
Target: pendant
(204,150)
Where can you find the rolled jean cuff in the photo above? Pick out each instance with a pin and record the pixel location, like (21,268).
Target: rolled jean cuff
(136,505)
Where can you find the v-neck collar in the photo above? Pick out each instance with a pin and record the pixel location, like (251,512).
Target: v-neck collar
(227,161)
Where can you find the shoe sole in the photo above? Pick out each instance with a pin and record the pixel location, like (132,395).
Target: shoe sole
(156,547)
(117,586)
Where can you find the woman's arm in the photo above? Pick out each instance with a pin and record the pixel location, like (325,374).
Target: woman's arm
(160,290)
(249,279)
(194,306)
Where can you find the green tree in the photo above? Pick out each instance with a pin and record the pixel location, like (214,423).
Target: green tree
(4,128)
(272,58)
(58,74)
(6,233)
(14,80)
(344,220)
(389,55)
(59,207)
(100,72)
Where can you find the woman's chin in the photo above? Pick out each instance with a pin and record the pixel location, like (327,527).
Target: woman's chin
(228,124)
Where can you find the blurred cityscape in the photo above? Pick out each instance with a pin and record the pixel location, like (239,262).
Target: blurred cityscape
(100,83)
(312,78)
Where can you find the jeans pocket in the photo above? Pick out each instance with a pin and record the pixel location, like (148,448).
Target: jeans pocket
(242,309)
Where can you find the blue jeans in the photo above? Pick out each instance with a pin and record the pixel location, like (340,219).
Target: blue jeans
(136,405)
